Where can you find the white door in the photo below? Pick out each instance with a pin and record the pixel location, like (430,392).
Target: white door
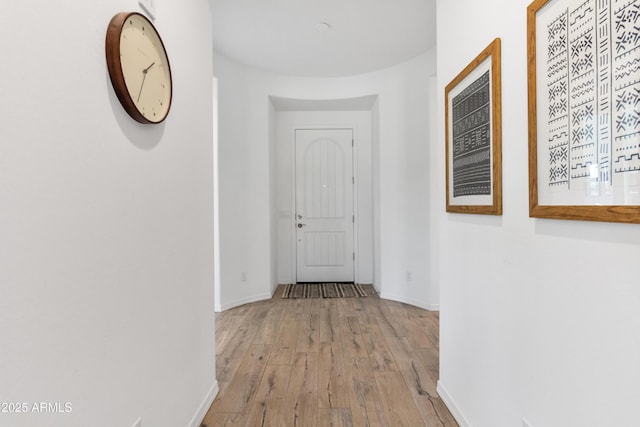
(324,205)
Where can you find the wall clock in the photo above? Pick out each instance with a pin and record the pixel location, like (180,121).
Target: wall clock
(139,67)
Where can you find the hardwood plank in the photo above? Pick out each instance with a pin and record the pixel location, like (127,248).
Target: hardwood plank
(352,338)
(445,417)
(376,345)
(420,384)
(422,389)
(224,420)
(274,383)
(345,306)
(401,315)
(302,305)
(389,326)
(308,333)
(238,395)
(430,360)
(227,325)
(430,327)
(266,414)
(397,401)
(269,325)
(335,417)
(283,350)
(366,402)
(332,384)
(359,304)
(330,328)
(301,403)
(230,356)
(308,306)
(417,334)
(416,375)
(402,352)
(268,407)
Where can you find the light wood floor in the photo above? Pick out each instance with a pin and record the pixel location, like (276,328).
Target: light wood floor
(327,362)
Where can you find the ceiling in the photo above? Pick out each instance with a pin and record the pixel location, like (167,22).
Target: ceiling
(282,36)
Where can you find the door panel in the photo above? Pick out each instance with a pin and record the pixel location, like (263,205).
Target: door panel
(324,205)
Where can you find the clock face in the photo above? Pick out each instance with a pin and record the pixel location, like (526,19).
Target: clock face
(143,76)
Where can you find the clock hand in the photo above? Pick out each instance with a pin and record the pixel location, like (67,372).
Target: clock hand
(144,77)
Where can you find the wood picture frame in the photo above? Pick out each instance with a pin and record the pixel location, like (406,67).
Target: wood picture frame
(473,129)
(584,109)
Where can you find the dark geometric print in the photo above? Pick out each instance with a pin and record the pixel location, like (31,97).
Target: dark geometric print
(626,87)
(558,88)
(471,112)
(582,35)
(593,86)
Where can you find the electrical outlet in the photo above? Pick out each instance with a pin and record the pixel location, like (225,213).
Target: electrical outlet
(148,6)
(409,276)
(243,276)
(138,423)
(526,423)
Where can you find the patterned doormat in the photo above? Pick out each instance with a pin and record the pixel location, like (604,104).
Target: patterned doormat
(323,290)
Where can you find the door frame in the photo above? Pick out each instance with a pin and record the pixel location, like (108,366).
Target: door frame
(354,161)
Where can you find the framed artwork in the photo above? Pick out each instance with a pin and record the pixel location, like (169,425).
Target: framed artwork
(473,127)
(584,109)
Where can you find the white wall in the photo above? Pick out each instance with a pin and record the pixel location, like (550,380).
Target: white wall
(360,122)
(106,253)
(539,317)
(245,185)
(402,198)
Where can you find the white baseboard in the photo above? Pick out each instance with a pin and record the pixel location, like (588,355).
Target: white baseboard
(453,407)
(255,298)
(204,407)
(409,301)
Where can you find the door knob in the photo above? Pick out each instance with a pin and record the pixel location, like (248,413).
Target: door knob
(301,225)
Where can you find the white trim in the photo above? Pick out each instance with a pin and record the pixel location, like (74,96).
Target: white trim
(254,298)
(451,404)
(196,421)
(409,301)
(217,281)
(355,143)
(293,219)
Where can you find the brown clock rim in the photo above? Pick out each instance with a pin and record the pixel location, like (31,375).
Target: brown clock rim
(114,66)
